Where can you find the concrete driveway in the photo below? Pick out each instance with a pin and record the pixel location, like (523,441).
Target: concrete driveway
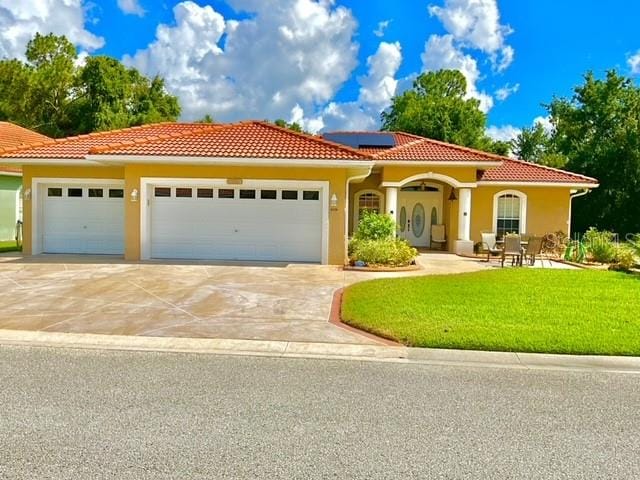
(105,295)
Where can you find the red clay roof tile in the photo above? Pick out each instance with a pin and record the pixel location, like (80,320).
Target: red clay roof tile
(520,171)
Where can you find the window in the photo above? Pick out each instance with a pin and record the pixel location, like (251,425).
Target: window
(311,195)
(289,194)
(162,192)
(116,193)
(184,192)
(226,193)
(268,194)
(96,193)
(247,194)
(366,201)
(54,192)
(205,193)
(74,192)
(509,213)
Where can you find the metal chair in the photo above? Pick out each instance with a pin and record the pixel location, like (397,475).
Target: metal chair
(534,250)
(512,248)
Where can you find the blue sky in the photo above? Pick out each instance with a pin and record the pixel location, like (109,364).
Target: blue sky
(249,71)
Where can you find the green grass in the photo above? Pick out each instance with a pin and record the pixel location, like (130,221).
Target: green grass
(9,246)
(524,310)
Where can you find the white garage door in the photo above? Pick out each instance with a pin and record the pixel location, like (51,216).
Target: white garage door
(236,223)
(83,219)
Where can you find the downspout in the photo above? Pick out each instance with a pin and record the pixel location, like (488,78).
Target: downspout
(571,197)
(346,208)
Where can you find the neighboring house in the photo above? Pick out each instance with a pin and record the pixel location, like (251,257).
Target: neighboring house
(254,191)
(11,137)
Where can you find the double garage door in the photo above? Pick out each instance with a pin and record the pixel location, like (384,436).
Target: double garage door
(264,222)
(257,222)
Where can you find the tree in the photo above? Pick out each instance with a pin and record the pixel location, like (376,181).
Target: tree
(295,126)
(438,107)
(50,93)
(206,119)
(598,131)
(535,144)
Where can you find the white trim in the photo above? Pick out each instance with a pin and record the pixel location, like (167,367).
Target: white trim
(69,162)
(356,209)
(146,183)
(430,176)
(37,183)
(187,160)
(523,208)
(9,174)
(437,163)
(482,183)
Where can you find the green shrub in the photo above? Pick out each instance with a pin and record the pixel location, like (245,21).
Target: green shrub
(634,244)
(625,259)
(600,245)
(392,252)
(375,226)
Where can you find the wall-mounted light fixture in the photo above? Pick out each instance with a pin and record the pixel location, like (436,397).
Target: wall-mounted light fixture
(334,202)
(26,194)
(452,195)
(134,195)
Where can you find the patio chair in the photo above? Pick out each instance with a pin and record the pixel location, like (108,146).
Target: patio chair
(490,245)
(439,236)
(512,248)
(533,251)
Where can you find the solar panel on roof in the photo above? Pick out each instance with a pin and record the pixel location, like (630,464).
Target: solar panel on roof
(359,140)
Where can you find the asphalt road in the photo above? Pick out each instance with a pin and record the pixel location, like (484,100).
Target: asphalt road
(83,414)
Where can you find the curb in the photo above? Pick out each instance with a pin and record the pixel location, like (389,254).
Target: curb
(327,351)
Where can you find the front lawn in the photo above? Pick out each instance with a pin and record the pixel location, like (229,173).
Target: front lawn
(8,246)
(524,310)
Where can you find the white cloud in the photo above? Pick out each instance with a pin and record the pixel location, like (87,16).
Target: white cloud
(21,19)
(287,53)
(634,63)
(131,7)
(505,92)
(440,52)
(503,133)
(377,88)
(382,26)
(476,24)
(545,122)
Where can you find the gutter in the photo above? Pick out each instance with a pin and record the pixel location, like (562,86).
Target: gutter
(571,197)
(346,206)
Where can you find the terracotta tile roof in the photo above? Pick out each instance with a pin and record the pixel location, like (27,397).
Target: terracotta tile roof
(13,136)
(78,147)
(426,149)
(251,139)
(520,171)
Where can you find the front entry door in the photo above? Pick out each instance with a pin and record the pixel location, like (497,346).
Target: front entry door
(417,212)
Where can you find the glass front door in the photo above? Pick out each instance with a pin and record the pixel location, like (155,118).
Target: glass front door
(418,211)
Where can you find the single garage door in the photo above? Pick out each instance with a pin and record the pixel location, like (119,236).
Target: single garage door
(83,219)
(236,223)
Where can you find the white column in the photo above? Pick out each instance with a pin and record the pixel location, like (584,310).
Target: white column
(391,201)
(464,245)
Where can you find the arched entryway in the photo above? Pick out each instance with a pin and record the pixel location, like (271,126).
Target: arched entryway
(421,201)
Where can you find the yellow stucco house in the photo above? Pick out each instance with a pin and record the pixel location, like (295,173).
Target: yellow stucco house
(255,191)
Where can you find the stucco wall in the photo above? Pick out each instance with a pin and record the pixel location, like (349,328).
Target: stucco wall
(547,209)
(9,186)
